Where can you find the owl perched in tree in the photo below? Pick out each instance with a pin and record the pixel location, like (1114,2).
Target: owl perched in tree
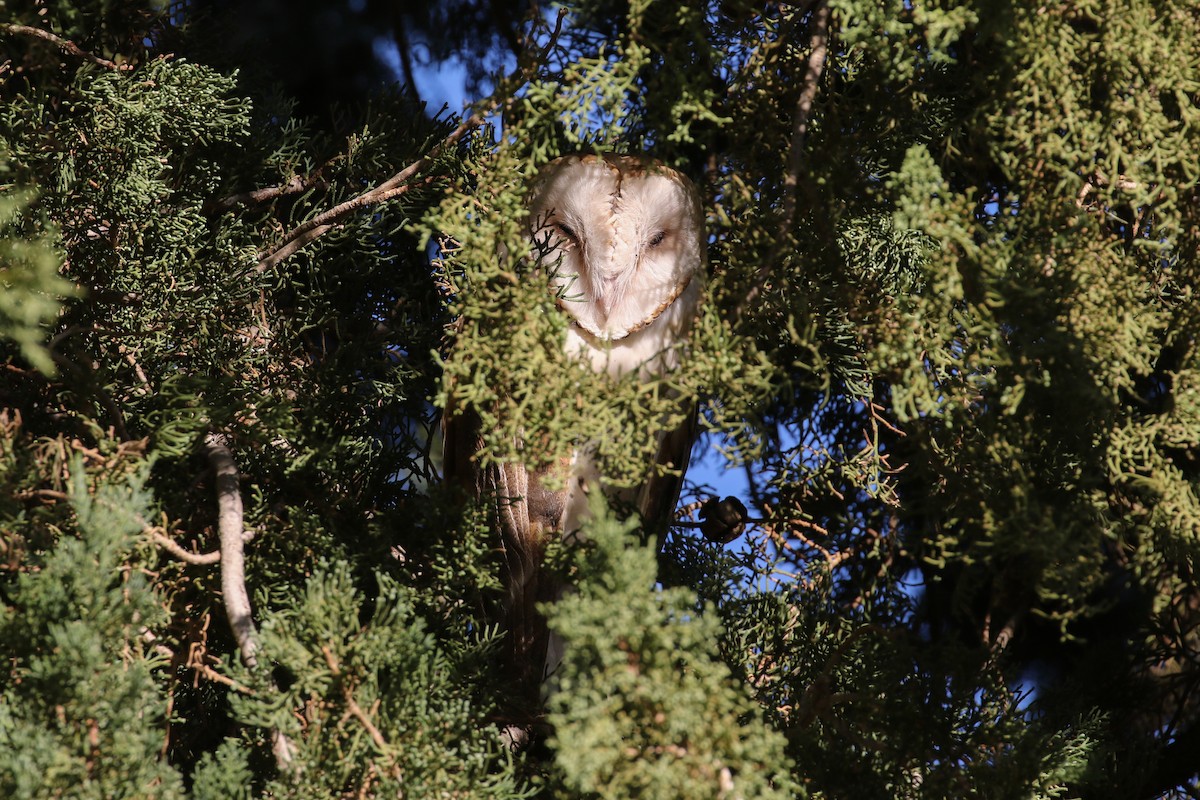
(621,242)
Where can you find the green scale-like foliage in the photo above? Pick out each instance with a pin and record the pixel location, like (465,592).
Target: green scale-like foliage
(385,708)
(28,273)
(949,336)
(645,706)
(318,370)
(81,711)
(507,360)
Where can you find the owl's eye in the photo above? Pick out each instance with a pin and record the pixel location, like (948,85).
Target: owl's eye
(567,231)
(656,239)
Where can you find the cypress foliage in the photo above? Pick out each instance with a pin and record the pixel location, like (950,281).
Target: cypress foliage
(83,711)
(949,339)
(645,706)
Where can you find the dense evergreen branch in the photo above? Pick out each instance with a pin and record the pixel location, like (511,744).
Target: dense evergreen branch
(963,259)
(1176,765)
(818,46)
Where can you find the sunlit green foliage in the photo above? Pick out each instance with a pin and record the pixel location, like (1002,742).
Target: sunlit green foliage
(28,273)
(81,706)
(645,706)
(950,338)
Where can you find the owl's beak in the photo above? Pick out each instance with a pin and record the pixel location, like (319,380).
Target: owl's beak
(609,295)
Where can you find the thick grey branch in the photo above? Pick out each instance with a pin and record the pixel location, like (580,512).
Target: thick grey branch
(233,569)
(233,562)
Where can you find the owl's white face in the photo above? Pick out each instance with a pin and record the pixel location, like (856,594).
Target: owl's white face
(621,236)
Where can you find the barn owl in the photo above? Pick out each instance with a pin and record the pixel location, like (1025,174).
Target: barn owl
(620,241)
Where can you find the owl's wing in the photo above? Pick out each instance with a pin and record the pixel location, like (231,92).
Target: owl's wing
(660,492)
(525,514)
(460,441)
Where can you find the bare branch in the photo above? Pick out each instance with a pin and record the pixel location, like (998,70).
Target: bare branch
(212,675)
(398,184)
(68,47)
(812,78)
(296,185)
(181,552)
(233,570)
(42,494)
(818,47)
(318,225)
(232,557)
(1003,636)
(284,750)
(394,186)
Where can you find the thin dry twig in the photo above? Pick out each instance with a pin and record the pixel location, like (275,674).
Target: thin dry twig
(306,232)
(212,675)
(297,185)
(42,494)
(357,712)
(66,46)
(157,533)
(877,415)
(182,553)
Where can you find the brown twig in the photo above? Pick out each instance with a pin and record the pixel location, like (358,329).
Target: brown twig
(357,712)
(877,414)
(394,186)
(1003,636)
(306,232)
(296,185)
(818,47)
(212,675)
(819,696)
(42,494)
(182,553)
(66,46)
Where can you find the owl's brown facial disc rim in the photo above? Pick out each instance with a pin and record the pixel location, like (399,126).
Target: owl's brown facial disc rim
(611,293)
